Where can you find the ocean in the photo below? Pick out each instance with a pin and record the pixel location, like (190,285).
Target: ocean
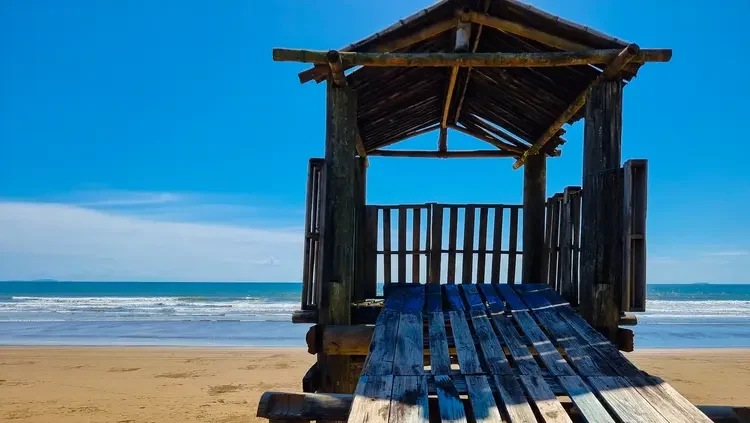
(259,314)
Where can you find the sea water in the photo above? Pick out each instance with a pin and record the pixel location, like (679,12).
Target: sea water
(259,314)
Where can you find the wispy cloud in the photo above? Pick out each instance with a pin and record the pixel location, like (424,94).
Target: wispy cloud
(734,253)
(100,240)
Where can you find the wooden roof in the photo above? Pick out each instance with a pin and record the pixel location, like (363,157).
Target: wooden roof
(509,107)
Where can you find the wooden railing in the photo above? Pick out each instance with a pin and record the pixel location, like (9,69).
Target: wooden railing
(428,243)
(310,266)
(563,241)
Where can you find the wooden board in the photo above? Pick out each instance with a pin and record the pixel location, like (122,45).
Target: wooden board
(409,356)
(409,400)
(497,245)
(483,404)
(440,361)
(372,399)
(673,406)
(512,248)
(482,245)
(492,351)
(451,407)
(546,403)
(452,237)
(514,401)
(383,345)
(467,273)
(468,361)
(401,244)
(387,246)
(435,243)
(584,399)
(416,244)
(624,400)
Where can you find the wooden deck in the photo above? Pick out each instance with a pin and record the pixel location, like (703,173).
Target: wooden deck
(518,348)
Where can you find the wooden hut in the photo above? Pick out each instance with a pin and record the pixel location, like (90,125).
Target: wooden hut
(512,76)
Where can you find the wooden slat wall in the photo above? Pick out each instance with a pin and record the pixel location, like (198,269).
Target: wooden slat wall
(562,236)
(634,233)
(476,234)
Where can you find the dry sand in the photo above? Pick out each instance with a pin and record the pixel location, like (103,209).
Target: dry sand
(133,384)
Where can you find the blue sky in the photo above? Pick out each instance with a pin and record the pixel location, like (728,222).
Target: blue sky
(147,140)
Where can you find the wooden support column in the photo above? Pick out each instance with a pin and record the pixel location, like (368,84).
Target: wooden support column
(601,245)
(339,229)
(534,195)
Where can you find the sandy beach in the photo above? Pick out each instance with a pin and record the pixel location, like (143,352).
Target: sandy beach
(143,384)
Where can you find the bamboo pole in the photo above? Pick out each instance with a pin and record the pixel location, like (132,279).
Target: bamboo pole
(437,28)
(449,97)
(622,59)
(460,105)
(443,154)
(524,60)
(337,68)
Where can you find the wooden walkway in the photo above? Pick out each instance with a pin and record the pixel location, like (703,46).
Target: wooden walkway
(518,347)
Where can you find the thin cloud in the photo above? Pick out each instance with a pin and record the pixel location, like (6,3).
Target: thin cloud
(59,241)
(735,253)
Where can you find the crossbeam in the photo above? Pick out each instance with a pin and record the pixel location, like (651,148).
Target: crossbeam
(615,66)
(457,154)
(508,60)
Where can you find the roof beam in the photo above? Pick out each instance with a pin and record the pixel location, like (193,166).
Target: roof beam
(622,59)
(528,32)
(460,104)
(503,60)
(463,33)
(494,141)
(339,79)
(319,72)
(443,154)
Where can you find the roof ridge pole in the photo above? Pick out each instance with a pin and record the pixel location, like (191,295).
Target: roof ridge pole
(474,47)
(615,66)
(463,34)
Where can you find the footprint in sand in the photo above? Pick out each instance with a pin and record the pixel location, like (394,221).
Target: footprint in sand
(123,369)
(178,375)
(224,389)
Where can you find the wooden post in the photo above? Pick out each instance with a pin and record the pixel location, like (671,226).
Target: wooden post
(534,193)
(601,245)
(359,287)
(339,214)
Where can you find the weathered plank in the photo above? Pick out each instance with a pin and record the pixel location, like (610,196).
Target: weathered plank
(546,350)
(452,237)
(402,244)
(488,342)
(451,407)
(483,403)
(467,274)
(468,361)
(673,406)
(624,400)
(554,240)
(372,399)
(609,353)
(383,345)
(414,297)
(522,357)
(514,400)
(497,245)
(440,361)
(436,240)
(472,297)
(454,298)
(550,409)
(416,244)
(409,357)
(589,406)
(434,298)
(513,247)
(387,246)
(580,354)
(482,246)
(371,252)
(409,400)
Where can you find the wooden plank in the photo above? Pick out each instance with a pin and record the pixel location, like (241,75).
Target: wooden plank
(409,400)
(564,286)
(472,297)
(547,238)
(492,351)
(482,247)
(371,252)
(440,361)
(293,406)
(452,235)
(514,400)
(414,298)
(545,401)
(416,244)
(402,244)
(513,248)
(517,348)
(673,406)
(467,275)
(451,407)
(360,190)
(585,400)
(545,349)
(624,400)
(497,244)
(387,246)
(409,357)
(579,353)
(307,267)
(553,248)
(609,353)
(372,399)
(482,400)
(436,242)
(468,361)
(454,298)
(383,345)
(575,272)
(434,298)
